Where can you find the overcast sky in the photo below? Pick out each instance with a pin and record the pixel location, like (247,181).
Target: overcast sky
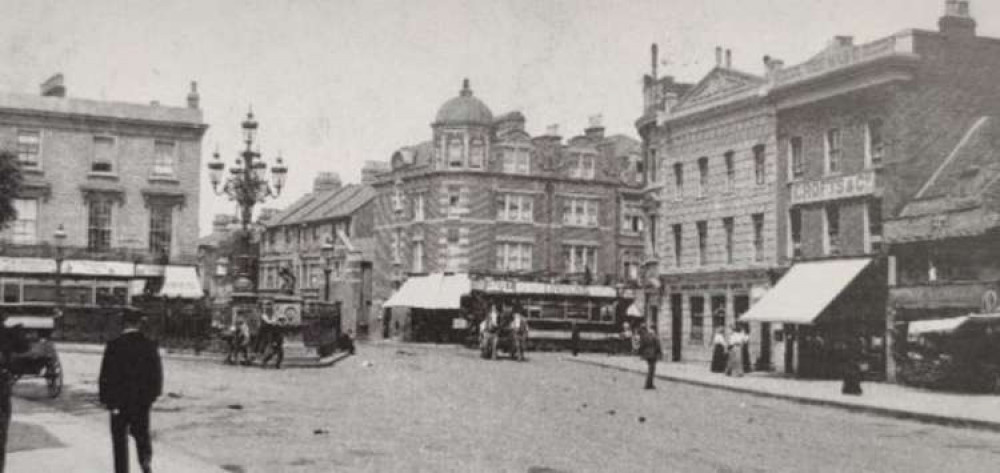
(335,83)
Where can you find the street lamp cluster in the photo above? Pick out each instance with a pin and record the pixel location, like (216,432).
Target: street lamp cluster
(247,183)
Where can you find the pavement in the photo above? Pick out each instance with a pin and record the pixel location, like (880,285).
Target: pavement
(44,439)
(961,410)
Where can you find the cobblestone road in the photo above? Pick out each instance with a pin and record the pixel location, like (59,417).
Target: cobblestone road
(429,408)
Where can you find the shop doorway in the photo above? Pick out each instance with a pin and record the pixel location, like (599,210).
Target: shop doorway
(676,325)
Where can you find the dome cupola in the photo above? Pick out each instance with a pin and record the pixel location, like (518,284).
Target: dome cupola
(464,110)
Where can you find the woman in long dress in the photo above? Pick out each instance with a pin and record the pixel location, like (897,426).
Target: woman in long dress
(719,351)
(735,365)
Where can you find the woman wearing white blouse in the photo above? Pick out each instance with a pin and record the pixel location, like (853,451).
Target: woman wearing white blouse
(735,362)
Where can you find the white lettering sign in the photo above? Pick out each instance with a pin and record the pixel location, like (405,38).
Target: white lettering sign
(841,187)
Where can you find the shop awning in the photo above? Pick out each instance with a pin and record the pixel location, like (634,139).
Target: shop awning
(921,327)
(182,282)
(434,291)
(951,324)
(805,291)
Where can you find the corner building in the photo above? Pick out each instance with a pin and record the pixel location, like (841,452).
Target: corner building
(486,198)
(713,191)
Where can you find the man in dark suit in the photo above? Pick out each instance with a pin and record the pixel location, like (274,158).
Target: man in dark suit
(12,341)
(651,351)
(131,379)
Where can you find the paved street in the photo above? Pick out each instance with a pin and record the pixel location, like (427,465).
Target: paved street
(429,408)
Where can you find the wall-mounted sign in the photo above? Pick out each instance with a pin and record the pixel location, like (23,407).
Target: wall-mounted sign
(526,287)
(27,265)
(833,188)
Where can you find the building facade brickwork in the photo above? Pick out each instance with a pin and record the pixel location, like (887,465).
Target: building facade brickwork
(485,197)
(325,242)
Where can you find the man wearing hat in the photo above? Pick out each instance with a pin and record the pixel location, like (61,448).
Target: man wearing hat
(131,379)
(11,341)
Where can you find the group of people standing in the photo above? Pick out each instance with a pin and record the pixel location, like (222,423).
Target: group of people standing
(268,342)
(731,354)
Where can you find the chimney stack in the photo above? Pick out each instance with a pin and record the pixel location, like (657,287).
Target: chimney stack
(718,56)
(655,52)
(595,129)
(957,21)
(54,87)
(326,181)
(193,98)
(729,59)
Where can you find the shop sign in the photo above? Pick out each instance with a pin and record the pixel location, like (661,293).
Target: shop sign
(27,265)
(99,268)
(834,188)
(516,287)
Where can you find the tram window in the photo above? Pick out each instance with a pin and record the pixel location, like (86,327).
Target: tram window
(11,293)
(535,312)
(39,293)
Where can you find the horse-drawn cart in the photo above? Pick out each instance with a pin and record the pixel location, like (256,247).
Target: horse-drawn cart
(508,334)
(41,360)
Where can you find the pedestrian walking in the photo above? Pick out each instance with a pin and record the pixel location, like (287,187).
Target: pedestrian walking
(575,339)
(651,351)
(131,379)
(734,366)
(12,341)
(719,346)
(346,342)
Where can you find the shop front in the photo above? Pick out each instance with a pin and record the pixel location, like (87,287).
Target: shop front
(430,308)
(827,310)
(86,296)
(699,304)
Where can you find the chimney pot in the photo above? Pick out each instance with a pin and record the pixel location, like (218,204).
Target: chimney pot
(54,87)
(729,59)
(193,97)
(718,56)
(655,53)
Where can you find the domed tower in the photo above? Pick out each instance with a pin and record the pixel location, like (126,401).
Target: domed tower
(462,132)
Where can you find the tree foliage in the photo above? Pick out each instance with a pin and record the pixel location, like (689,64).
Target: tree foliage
(10,187)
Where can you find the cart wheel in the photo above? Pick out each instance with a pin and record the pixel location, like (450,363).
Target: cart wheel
(54,377)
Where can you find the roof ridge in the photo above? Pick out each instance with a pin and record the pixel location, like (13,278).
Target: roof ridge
(951,155)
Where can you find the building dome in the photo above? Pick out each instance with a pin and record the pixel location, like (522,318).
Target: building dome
(464,110)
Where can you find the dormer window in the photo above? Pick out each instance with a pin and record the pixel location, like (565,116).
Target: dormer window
(455,158)
(582,166)
(477,153)
(516,161)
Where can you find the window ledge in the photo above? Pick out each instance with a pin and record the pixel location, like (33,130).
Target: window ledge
(103,175)
(168,178)
(38,171)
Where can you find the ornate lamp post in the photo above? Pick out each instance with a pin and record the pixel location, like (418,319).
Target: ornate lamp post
(327,252)
(247,185)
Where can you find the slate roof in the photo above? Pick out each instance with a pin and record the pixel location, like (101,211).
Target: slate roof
(962,197)
(101,108)
(325,205)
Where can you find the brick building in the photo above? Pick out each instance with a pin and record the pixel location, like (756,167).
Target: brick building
(327,233)
(862,129)
(120,179)
(484,197)
(712,189)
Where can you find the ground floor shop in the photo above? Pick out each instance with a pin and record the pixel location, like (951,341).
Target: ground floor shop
(87,297)
(698,305)
(824,312)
